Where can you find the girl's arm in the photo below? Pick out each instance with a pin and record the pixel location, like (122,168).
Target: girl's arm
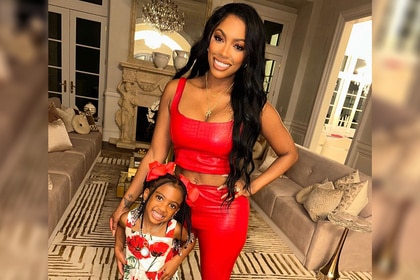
(158,151)
(119,244)
(171,266)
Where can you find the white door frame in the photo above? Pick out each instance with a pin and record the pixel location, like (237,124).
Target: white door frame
(329,77)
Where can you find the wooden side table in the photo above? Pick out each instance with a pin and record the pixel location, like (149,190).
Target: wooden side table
(329,271)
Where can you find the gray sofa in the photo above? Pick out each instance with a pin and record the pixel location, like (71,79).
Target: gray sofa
(313,242)
(67,171)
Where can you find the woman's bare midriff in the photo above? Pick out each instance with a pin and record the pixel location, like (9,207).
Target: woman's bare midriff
(202,178)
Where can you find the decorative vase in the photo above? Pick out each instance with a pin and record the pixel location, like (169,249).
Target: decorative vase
(160,60)
(180,58)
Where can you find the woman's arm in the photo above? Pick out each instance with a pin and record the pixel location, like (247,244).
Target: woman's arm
(280,140)
(158,151)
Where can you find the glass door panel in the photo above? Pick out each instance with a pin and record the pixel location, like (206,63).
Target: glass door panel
(268,75)
(271,76)
(57,46)
(273,32)
(87,60)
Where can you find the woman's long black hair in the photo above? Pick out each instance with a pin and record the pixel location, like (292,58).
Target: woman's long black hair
(247,98)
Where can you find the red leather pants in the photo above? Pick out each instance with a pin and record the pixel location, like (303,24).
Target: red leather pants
(221,231)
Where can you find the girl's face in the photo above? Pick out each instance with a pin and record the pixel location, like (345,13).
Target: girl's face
(163,203)
(227,47)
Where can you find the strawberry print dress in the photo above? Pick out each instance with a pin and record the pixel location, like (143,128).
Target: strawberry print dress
(145,253)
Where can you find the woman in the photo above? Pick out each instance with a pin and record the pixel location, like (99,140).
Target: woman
(213,120)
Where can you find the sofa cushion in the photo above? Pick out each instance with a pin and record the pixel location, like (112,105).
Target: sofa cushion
(84,148)
(266,197)
(355,197)
(294,222)
(322,200)
(94,137)
(58,199)
(70,165)
(58,138)
(312,168)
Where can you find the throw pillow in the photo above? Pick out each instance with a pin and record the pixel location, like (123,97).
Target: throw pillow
(350,178)
(58,138)
(91,121)
(80,124)
(269,157)
(52,113)
(355,197)
(321,201)
(66,114)
(303,194)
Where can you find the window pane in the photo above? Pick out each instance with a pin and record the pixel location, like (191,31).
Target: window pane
(344,63)
(87,85)
(272,32)
(51,94)
(54,26)
(54,79)
(88,33)
(269,70)
(54,53)
(349,101)
(87,60)
(353,87)
(360,104)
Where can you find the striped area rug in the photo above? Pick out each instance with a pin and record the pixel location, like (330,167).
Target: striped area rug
(82,246)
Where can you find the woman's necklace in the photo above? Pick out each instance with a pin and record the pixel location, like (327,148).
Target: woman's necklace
(210,110)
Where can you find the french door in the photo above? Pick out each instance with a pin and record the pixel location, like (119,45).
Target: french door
(76,57)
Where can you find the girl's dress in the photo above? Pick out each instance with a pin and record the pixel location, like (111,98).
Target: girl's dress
(145,253)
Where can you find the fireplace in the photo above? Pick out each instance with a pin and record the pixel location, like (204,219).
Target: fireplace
(141,85)
(144,128)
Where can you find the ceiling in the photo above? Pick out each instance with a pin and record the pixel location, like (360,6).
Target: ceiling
(290,3)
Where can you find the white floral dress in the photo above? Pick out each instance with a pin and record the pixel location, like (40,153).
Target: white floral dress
(145,253)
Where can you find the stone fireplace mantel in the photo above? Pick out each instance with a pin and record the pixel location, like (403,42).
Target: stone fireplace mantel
(141,85)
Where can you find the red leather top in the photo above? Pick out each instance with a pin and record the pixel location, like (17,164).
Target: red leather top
(199,146)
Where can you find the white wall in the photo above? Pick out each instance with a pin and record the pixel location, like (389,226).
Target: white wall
(118,48)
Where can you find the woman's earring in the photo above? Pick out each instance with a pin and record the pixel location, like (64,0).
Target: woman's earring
(207,49)
(245,65)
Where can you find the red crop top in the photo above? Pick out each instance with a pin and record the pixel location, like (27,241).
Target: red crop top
(199,146)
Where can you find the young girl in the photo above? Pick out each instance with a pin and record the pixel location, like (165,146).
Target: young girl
(157,242)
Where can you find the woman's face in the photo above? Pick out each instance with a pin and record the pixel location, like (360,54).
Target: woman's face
(227,47)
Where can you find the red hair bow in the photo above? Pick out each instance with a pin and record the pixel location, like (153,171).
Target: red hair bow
(192,190)
(158,169)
